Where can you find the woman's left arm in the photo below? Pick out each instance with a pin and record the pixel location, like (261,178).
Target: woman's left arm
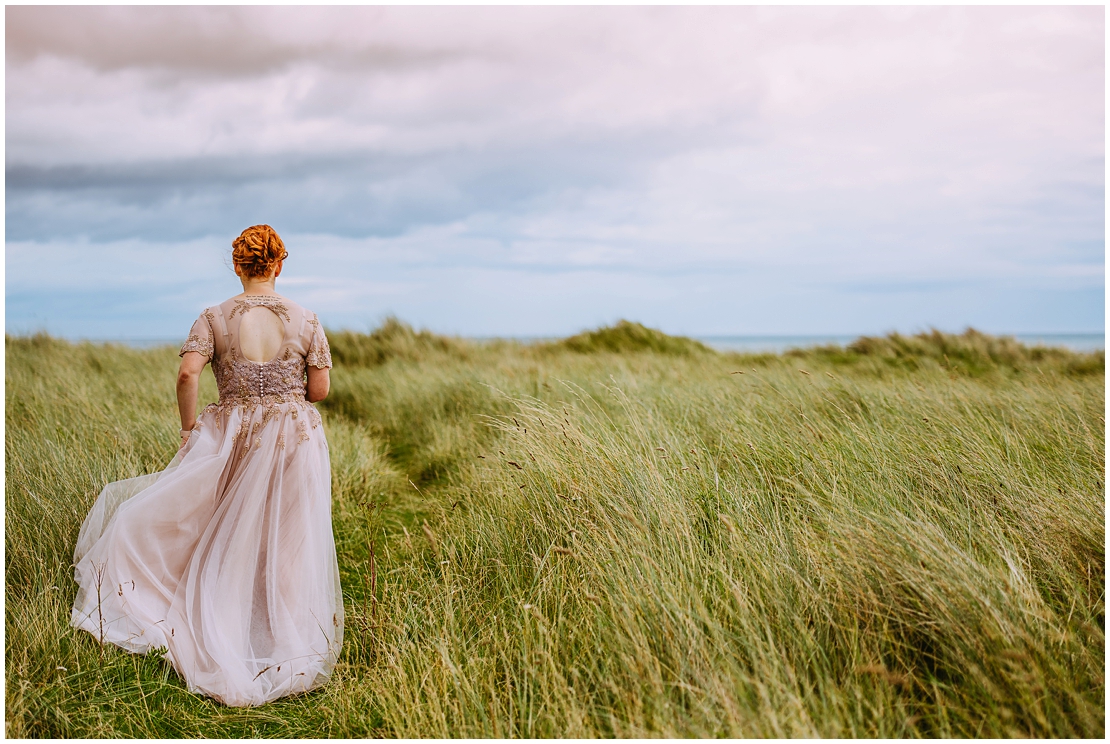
(319,383)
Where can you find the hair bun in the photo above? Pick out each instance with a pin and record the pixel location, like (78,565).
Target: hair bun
(257,250)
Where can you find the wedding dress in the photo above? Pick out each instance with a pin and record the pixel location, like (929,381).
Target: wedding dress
(226,558)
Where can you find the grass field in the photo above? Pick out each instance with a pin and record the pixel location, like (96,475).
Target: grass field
(622,534)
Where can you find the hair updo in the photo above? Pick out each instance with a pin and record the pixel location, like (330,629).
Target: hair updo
(257,250)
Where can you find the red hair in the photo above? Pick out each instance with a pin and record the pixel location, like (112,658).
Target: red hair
(257,251)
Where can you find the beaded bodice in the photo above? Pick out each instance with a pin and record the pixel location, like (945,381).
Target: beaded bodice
(215,334)
(241,378)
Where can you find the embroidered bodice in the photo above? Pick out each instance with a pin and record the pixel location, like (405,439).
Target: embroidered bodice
(215,334)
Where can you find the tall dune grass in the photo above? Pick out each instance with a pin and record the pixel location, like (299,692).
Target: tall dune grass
(623,534)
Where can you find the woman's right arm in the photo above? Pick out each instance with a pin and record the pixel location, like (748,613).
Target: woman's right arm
(188,383)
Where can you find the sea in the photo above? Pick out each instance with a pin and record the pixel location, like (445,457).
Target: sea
(779,344)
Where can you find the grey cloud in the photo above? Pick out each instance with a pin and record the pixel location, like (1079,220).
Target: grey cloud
(209,41)
(350,194)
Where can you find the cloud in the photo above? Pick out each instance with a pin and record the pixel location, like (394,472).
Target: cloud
(207,41)
(828,148)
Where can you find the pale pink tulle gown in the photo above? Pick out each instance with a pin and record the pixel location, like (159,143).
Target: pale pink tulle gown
(226,558)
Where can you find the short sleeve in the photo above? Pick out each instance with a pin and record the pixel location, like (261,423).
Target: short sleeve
(200,337)
(319,353)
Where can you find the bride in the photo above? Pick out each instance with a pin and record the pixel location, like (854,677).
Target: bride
(226,558)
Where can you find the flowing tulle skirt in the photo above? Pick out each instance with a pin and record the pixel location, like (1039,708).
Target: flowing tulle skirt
(226,558)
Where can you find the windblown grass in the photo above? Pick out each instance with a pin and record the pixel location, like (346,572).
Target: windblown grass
(627,337)
(623,534)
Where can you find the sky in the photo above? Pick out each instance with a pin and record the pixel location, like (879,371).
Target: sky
(527,171)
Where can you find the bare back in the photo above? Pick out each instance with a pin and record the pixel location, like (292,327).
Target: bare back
(261,334)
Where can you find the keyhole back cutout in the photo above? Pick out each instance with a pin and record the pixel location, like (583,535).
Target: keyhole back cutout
(261,334)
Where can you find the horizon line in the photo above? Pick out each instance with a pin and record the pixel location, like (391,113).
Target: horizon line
(708,337)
